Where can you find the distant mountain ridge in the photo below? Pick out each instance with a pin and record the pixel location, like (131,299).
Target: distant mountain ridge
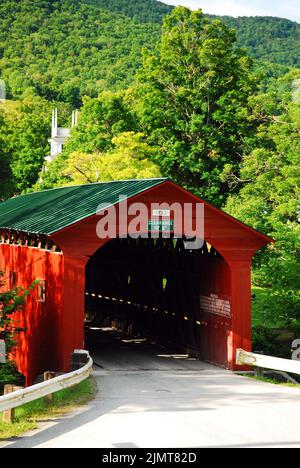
(271,39)
(267,38)
(143,10)
(69,48)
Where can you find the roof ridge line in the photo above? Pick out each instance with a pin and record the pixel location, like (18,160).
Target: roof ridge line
(87,185)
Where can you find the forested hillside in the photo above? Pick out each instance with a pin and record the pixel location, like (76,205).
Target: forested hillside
(142,10)
(65,49)
(274,40)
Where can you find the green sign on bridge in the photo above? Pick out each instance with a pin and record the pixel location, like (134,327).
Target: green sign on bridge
(161,225)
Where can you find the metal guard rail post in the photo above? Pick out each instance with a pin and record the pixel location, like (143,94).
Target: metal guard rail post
(21,397)
(267,362)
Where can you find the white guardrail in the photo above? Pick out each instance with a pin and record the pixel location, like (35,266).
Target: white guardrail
(267,362)
(26,395)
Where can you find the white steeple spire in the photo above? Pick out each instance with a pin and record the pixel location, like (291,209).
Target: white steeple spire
(59,135)
(74,118)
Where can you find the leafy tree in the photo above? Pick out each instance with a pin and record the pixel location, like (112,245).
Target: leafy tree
(269,199)
(130,159)
(53,176)
(267,341)
(100,120)
(194,96)
(27,131)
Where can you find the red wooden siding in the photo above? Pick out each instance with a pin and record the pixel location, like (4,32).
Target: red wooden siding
(39,345)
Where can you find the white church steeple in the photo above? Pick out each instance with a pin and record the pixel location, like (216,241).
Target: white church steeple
(59,135)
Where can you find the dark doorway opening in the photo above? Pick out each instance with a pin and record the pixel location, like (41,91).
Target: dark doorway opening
(152,290)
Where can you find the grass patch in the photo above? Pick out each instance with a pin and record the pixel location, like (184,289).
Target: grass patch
(271,332)
(272,381)
(259,317)
(27,416)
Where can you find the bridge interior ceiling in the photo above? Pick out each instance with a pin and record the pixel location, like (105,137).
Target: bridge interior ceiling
(152,288)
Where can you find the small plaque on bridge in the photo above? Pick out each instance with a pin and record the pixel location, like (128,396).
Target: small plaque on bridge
(2,352)
(162,213)
(215,305)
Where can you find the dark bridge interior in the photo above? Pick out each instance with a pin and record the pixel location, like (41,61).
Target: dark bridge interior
(153,288)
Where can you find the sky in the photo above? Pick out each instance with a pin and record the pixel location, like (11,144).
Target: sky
(282,8)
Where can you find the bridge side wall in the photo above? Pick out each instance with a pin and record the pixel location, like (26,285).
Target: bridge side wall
(38,344)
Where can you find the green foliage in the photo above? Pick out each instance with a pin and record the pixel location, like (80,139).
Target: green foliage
(149,11)
(27,416)
(24,131)
(128,158)
(265,341)
(64,50)
(9,375)
(270,342)
(268,39)
(262,302)
(26,138)
(194,93)
(62,400)
(269,196)
(100,120)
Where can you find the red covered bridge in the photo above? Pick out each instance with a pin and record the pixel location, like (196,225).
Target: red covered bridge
(199,299)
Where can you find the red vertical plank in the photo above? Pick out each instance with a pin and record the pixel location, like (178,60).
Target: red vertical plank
(241,333)
(71,326)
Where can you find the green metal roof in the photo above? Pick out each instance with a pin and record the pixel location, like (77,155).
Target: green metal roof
(52,210)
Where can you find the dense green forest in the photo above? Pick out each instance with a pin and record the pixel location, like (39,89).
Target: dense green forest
(161,91)
(66,49)
(149,11)
(269,39)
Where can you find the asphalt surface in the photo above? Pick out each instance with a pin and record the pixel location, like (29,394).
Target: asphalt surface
(149,396)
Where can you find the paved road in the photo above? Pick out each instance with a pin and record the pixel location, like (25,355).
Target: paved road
(148,397)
